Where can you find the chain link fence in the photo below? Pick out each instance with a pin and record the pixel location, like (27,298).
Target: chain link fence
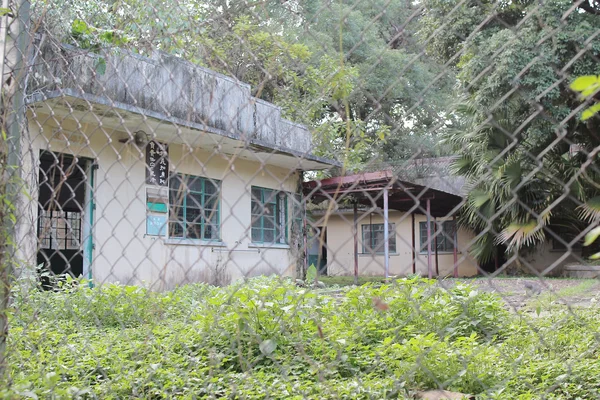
(299,199)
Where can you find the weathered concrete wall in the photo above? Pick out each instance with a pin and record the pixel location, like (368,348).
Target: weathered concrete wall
(123,252)
(171,86)
(544,260)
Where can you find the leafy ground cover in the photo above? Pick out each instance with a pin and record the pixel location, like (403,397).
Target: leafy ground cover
(267,338)
(343,280)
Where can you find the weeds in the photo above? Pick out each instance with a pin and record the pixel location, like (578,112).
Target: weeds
(267,338)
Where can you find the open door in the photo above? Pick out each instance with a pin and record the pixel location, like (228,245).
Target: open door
(317,249)
(65,198)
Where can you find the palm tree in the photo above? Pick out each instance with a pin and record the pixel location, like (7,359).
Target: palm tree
(520,188)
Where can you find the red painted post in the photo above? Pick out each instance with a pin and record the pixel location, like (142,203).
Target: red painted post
(414,259)
(355,233)
(437,267)
(429,272)
(455,248)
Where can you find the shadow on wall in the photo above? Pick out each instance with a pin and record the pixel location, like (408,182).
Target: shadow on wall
(262,270)
(215,275)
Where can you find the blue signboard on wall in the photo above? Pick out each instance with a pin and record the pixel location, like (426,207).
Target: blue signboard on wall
(156,225)
(157,200)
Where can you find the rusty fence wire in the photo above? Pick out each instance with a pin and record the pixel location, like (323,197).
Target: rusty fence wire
(299,199)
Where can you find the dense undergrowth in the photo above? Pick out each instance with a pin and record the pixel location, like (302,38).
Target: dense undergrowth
(269,339)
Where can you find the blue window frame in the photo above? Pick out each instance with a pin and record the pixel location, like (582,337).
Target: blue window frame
(269,216)
(194,204)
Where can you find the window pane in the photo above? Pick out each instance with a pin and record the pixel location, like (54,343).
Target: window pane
(193,215)
(256,235)
(269,222)
(269,196)
(210,203)
(210,231)
(269,210)
(269,236)
(193,231)
(175,182)
(193,200)
(210,187)
(175,229)
(256,208)
(374,238)
(269,219)
(256,194)
(256,222)
(194,184)
(366,238)
(188,217)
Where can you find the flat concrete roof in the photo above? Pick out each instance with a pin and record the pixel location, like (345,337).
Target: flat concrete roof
(172,100)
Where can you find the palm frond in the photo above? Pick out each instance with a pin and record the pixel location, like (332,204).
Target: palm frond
(590,210)
(484,249)
(591,236)
(519,234)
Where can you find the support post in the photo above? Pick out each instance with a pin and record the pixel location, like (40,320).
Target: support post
(437,231)
(414,255)
(455,248)
(355,234)
(429,272)
(386,233)
(305,240)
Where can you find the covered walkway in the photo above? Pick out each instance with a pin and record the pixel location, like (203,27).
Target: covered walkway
(382,190)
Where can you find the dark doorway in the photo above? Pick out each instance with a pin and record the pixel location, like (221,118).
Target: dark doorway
(61,204)
(496,262)
(317,250)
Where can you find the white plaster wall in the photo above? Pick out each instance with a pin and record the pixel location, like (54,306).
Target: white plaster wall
(123,252)
(545,261)
(340,248)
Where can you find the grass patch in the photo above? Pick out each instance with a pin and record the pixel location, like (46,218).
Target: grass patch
(267,338)
(547,299)
(340,280)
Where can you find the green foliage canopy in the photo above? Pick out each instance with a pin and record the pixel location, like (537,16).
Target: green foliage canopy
(517,125)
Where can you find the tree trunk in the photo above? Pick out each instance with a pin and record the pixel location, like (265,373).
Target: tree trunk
(14,40)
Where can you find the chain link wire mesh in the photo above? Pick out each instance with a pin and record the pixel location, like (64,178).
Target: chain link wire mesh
(299,199)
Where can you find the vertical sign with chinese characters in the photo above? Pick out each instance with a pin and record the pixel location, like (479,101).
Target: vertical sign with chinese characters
(157,163)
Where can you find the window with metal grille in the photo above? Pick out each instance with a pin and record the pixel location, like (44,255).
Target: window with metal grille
(194,205)
(444,238)
(59,230)
(269,216)
(373,238)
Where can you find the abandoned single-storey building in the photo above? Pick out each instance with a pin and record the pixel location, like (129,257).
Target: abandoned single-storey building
(354,236)
(157,171)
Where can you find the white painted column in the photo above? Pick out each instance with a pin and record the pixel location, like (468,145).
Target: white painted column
(386,233)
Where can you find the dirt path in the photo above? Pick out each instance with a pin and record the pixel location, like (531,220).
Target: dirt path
(518,292)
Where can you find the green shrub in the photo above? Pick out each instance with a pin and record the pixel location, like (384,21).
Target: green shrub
(267,338)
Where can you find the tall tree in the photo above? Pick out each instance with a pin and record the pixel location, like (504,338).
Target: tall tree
(354,71)
(518,125)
